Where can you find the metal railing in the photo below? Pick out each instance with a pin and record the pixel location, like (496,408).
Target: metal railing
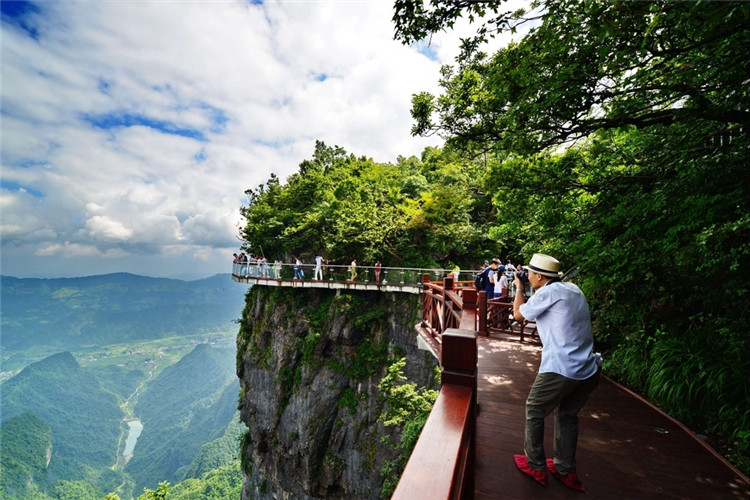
(343,274)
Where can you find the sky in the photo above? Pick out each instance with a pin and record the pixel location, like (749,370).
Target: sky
(130,129)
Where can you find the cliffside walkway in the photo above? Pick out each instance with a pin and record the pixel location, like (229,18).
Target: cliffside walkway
(627,449)
(389,279)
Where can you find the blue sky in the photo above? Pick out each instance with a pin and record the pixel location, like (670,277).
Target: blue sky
(130,130)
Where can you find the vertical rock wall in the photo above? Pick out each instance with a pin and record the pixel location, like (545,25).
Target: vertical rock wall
(309,363)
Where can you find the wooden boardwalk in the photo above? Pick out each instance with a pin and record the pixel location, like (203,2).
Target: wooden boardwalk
(626,448)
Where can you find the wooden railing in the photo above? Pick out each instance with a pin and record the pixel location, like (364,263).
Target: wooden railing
(442,462)
(446,305)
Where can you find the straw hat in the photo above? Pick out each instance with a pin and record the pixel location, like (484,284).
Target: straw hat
(545,265)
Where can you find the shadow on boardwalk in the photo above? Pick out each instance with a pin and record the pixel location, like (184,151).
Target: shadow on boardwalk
(626,448)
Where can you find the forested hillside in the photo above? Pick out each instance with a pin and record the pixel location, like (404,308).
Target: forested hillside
(188,405)
(612,136)
(61,428)
(26,447)
(84,419)
(63,417)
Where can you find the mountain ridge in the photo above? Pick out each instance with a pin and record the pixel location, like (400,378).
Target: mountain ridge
(67,314)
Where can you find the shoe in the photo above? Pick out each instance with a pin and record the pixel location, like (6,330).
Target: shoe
(540,476)
(570,480)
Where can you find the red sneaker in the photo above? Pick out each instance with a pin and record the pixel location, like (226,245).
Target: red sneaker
(570,480)
(540,476)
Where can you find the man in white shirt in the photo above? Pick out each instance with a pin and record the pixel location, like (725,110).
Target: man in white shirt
(318,268)
(567,375)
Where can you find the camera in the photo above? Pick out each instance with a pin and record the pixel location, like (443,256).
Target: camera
(523,275)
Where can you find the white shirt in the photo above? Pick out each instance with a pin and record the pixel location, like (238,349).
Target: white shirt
(319,261)
(564,325)
(501,282)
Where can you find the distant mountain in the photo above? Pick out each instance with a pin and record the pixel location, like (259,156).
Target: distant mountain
(189,404)
(83,418)
(68,313)
(26,444)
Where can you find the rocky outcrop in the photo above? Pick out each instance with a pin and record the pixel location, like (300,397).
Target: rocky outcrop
(309,363)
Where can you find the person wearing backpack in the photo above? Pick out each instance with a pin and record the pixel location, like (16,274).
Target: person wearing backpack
(486,279)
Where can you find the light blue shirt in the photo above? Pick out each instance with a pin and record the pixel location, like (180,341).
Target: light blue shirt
(564,325)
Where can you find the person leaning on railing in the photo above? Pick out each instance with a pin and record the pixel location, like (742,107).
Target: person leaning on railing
(568,373)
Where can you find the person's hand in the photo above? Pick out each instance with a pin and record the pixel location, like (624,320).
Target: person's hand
(518,283)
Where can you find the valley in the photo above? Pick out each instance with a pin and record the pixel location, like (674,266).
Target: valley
(113,398)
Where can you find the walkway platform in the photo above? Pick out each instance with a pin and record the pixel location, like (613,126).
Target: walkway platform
(627,449)
(333,285)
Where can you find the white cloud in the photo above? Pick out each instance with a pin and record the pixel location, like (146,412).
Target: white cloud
(130,130)
(106,229)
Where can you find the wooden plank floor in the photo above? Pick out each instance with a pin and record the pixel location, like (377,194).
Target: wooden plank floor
(626,448)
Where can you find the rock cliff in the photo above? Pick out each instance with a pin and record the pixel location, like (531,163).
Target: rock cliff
(309,363)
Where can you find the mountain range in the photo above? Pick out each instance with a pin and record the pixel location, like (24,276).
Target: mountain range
(40,317)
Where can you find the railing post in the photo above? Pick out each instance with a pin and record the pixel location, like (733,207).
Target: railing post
(458,360)
(482,313)
(448,283)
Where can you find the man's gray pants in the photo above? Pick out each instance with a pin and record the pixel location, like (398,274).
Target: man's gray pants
(566,397)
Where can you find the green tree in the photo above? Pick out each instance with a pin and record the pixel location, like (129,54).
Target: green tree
(589,66)
(217,484)
(418,212)
(160,493)
(624,128)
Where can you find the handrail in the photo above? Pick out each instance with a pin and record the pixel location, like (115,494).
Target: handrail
(442,462)
(441,465)
(435,468)
(341,273)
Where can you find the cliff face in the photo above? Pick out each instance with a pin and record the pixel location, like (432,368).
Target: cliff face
(309,363)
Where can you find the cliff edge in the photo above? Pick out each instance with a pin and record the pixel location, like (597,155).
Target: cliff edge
(309,363)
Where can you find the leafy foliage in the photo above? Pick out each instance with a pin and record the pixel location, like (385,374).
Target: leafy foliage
(217,484)
(623,126)
(591,66)
(406,405)
(419,212)
(160,493)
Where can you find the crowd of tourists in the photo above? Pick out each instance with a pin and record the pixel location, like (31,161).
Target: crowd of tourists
(494,277)
(257,266)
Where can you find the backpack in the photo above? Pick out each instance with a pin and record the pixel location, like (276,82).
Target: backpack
(480,281)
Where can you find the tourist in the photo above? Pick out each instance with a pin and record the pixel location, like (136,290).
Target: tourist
(489,282)
(501,283)
(378,268)
(277,269)
(568,373)
(353,270)
(318,275)
(298,273)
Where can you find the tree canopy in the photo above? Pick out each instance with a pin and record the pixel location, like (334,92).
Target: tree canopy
(589,66)
(427,211)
